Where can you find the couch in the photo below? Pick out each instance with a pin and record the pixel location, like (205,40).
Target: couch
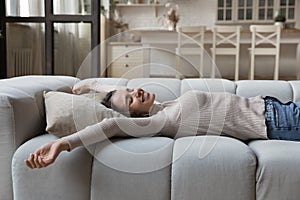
(150,168)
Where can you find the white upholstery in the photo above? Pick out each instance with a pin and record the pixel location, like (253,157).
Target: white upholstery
(279,89)
(201,162)
(265,35)
(197,167)
(135,168)
(22,117)
(277,169)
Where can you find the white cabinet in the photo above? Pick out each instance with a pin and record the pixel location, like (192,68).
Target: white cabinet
(125,60)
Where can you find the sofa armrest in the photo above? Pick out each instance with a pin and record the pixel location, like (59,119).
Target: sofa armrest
(22,116)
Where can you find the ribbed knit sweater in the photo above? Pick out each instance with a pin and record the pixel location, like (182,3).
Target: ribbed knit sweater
(193,113)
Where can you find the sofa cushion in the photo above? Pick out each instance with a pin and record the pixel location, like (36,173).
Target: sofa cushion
(296,90)
(68,178)
(212,167)
(208,85)
(134,168)
(279,89)
(278,169)
(22,116)
(69,113)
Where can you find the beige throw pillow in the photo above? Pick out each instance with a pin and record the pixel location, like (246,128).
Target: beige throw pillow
(68,113)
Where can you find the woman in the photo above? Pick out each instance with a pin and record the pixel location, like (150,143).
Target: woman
(193,113)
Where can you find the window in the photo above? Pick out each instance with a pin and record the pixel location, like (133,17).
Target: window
(56,36)
(265,9)
(225,10)
(287,8)
(243,11)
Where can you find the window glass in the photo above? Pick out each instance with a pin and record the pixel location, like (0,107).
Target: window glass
(261,14)
(291,14)
(283,2)
(249,3)
(249,14)
(72,7)
(228,14)
(270,3)
(261,3)
(241,14)
(241,3)
(229,3)
(72,43)
(26,51)
(270,14)
(220,15)
(283,11)
(22,8)
(291,2)
(220,3)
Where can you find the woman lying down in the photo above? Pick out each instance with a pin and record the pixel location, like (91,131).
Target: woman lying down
(193,113)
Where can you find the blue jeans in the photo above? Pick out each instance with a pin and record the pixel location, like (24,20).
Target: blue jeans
(282,119)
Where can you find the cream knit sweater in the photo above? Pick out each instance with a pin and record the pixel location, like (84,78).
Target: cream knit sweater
(193,113)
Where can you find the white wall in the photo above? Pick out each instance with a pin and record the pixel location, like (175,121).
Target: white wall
(192,12)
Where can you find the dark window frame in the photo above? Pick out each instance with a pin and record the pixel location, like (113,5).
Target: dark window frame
(48,20)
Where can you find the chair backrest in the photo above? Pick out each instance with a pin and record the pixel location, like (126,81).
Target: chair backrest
(226,41)
(188,34)
(226,35)
(265,34)
(190,41)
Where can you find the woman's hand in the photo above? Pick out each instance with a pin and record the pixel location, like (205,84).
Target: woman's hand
(46,154)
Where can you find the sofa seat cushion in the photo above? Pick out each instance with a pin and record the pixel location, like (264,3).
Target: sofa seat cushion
(132,168)
(212,167)
(68,178)
(278,172)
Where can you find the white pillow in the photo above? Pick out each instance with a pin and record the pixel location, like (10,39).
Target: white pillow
(68,113)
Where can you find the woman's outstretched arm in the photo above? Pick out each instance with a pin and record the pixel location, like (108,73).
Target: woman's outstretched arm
(46,154)
(136,127)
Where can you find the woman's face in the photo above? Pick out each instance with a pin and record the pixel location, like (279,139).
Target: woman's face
(135,101)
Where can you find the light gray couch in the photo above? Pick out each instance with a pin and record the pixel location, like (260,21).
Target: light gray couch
(155,168)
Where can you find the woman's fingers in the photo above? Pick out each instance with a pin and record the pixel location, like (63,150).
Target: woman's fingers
(35,161)
(30,161)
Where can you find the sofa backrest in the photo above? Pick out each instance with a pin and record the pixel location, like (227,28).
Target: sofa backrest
(171,88)
(23,97)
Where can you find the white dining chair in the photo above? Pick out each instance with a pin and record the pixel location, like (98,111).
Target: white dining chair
(263,35)
(226,41)
(187,35)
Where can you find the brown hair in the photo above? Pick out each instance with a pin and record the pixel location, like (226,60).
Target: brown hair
(109,104)
(107,99)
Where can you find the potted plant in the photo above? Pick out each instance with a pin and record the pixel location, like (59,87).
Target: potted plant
(280,19)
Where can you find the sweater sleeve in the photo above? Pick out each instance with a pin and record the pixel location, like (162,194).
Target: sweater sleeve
(107,128)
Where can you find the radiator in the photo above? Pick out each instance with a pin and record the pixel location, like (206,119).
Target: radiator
(19,62)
